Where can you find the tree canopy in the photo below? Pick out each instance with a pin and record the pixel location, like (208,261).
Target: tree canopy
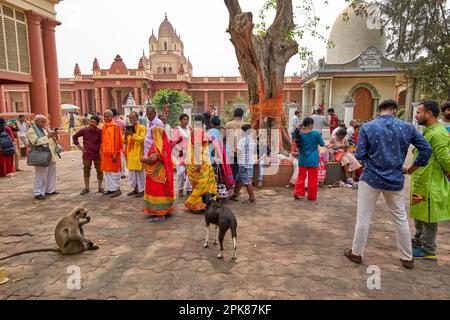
(170,102)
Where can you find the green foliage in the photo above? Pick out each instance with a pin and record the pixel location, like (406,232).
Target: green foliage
(417,31)
(227,115)
(308,22)
(401,114)
(170,102)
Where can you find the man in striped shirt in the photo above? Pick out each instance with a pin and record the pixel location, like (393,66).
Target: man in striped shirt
(246,160)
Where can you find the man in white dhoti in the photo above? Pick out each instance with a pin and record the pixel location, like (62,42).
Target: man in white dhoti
(110,151)
(45,178)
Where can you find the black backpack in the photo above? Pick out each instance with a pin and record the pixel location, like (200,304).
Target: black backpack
(7,146)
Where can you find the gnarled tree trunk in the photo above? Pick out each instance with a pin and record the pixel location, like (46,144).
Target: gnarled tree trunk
(263,59)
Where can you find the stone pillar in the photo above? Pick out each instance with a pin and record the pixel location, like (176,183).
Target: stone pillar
(25,102)
(84,102)
(238,94)
(73,97)
(8,99)
(98,101)
(288,96)
(327,98)
(348,112)
(78,101)
(305,101)
(38,88)
(319,92)
(205,99)
(143,97)
(222,102)
(137,96)
(2,99)
(51,70)
(104,93)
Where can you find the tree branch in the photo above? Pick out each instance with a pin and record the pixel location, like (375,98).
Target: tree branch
(284,18)
(234,8)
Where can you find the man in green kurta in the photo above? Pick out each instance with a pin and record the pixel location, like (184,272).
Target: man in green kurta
(430,186)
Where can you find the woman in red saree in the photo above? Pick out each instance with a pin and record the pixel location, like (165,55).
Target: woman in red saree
(6,160)
(159,187)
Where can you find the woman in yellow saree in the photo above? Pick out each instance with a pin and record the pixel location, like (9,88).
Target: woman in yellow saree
(159,195)
(199,168)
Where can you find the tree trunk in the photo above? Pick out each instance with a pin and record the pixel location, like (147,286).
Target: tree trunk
(263,59)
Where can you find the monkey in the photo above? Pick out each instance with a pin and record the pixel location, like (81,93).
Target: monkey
(69,235)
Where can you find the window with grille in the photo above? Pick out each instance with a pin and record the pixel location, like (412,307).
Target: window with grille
(14,52)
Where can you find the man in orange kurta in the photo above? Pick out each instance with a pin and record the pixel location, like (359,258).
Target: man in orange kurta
(110,153)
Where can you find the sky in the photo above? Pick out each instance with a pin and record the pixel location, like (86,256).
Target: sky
(105,28)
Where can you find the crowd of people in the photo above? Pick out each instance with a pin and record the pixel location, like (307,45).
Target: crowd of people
(209,157)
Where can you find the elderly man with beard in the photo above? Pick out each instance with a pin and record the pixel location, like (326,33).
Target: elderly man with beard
(430,186)
(111,150)
(45,179)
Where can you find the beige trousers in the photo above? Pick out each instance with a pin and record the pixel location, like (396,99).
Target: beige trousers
(395,200)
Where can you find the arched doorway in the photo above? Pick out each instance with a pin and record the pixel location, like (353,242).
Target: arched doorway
(364,105)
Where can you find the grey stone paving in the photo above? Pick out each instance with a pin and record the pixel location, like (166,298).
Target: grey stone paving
(287,249)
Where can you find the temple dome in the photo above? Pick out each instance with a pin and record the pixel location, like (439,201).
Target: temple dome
(166,29)
(118,66)
(351,38)
(152,38)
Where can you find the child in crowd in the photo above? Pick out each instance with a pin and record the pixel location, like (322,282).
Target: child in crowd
(246,160)
(339,147)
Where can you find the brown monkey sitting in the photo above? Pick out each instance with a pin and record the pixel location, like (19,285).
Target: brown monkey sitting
(69,235)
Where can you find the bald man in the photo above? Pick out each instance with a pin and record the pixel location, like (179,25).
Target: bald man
(153,122)
(110,152)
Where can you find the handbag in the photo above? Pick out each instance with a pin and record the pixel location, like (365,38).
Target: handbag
(39,156)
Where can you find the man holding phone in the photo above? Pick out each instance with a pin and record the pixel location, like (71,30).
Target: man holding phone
(134,139)
(110,151)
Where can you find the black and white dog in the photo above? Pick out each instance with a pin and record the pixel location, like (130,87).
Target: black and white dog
(224,219)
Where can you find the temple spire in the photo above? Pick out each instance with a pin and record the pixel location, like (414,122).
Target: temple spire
(165,17)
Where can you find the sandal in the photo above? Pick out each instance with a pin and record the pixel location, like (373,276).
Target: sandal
(84,192)
(353,258)
(335,185)
(249,201)
(234,198)
(101,190)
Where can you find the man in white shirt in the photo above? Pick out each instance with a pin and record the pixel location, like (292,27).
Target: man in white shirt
(341,126)
(297,120)
(319,121)
(167,127)
(351,129)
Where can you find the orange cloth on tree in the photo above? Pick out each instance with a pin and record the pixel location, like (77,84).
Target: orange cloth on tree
(111,147)
(270,108)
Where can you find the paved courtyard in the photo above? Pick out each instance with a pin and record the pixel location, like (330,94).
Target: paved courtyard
(287,249)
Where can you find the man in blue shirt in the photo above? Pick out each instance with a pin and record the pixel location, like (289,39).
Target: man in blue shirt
(383,146)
